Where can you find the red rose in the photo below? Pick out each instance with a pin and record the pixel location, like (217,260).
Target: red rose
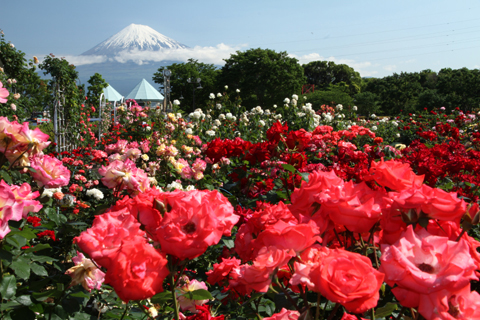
(395,175)
(349,279)
(102,241)
(138,271)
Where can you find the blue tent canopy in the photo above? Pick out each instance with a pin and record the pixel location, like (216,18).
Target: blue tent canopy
(111,94)
(144,91)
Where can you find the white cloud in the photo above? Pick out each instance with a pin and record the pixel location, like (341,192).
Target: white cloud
(214,55)
(81,60)
(364,68)
(390,67)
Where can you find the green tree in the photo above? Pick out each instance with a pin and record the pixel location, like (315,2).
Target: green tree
(330,97)
(63,88)
(367,103)
(26,82)
(326,73)
(95,89)
(264,77)
(460,87)
(179,86)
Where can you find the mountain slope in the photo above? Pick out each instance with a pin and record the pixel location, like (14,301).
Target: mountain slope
(135,36)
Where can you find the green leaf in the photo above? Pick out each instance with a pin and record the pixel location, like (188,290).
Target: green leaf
(39,270)
(26,233)
(38,247)
(6,256)
(9,305)
(386,310)
(161,297)
(229,243)
(200,294)
(58,218)
(21,267)
(42,258)
(41,296)
(80,294)
(23,313)
(8,287)
(304,176)
(289,167)
(6,177)
(25,300)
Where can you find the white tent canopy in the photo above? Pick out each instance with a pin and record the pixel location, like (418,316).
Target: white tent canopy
(111,94)
(144,91)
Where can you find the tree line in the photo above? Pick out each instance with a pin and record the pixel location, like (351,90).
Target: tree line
(265,77)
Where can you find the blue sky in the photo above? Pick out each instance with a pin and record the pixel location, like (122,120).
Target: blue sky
(376,38)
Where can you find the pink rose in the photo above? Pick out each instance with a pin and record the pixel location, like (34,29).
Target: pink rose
(247,278)
(189,286)
(395,175)
(349,279)
(10,209)
(3,93)
(220,271)
(284,314)
(448,304)
(347,316)
(303,201)
(297,237)
(49,171)
(86,273)
(193,221)
(24,196)
(355,206)
(434,202)
(420,263)
(32,140)
(124,175)
(309,259)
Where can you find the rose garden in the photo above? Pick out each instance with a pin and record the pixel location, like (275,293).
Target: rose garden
(229,212)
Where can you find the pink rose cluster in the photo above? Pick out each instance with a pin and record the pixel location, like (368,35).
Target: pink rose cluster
(23,147)
(132,240)
(121,175)
(16,202)
(426,258)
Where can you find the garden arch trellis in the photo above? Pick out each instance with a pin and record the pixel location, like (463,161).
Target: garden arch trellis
(66,136)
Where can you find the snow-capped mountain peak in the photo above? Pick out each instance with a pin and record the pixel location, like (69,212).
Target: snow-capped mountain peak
(135,36)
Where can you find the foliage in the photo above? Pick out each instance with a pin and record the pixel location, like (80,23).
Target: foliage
(95,89)
(64,90)
(332,96)
(181,88)
(20,76)
(368,103)
(263,76)
(323,74)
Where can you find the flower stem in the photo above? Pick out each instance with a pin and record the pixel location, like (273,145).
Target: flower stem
(317,313)
(174,296)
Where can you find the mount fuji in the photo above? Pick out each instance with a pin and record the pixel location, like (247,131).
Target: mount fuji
(119,66)
(134,37)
